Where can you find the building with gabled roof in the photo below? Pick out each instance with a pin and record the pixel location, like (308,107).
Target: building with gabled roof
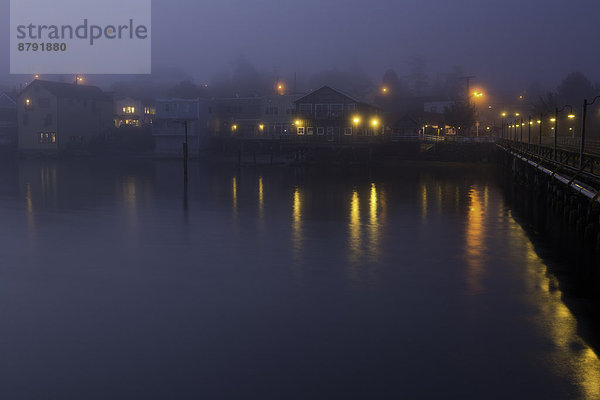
(54,117)
(332,114)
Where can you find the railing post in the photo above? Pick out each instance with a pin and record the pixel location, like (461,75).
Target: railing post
(582,141)
(555,131)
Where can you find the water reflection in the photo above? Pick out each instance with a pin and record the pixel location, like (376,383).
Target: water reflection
(30,215)
(354,240)
(570,355)
(475,247)
(424,203)
(261,202)
(234,195)
(374,226)
(297,238)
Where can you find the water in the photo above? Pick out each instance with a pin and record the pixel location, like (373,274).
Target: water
(276,284)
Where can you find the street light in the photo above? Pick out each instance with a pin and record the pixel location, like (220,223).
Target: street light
(586,103)
(556,112)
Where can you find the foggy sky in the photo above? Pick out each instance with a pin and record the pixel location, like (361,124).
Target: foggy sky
(506,44)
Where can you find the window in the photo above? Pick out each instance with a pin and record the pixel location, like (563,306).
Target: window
(25,119)
(351,107)
(48,120)
(337,110)
(321,110)
(348,131)
(167,107)
(47,138)
(300,130)
(320,131)
(129,110)
(306,110)
(310,131)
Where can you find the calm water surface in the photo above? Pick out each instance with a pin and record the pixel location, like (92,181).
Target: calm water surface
(275,284)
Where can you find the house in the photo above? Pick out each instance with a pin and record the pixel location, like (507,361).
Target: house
(172,118)
(133,113)
(237,116)
(8,122)
(277,115)
(331,114)
(253,117)
(54,117)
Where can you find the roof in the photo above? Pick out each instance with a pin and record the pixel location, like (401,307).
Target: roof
(353,98)
(73,91)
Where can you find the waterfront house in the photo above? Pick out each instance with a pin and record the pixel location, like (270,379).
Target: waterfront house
(169,126)
(54,117)
(264,117)
(130,112)
(8,122)
(330,114)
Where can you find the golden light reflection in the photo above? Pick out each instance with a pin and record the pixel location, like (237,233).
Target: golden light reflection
(234,197)
(570,355)
(355,244)
(297,239)
(475,242)
(374,226)
(261,195)
(424,204)
(261,204)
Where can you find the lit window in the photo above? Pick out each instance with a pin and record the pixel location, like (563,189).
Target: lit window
(300,130)
(47,138)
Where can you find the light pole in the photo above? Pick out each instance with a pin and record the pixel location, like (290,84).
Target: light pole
(556,112)
(586,103)
(529,133)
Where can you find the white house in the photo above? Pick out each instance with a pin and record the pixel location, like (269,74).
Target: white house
(169,126)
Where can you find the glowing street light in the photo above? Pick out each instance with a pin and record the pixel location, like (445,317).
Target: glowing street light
(356,120)
(385,90)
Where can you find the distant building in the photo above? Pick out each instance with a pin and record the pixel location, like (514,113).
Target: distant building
(169,125)
(331,114)
(57,117)
(8,122)
(236,116)
(253,117)
(133,113)
(277,114)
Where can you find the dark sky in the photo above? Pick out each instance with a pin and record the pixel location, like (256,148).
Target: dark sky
(504,43)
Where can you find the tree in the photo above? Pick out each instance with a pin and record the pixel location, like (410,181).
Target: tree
(574,88)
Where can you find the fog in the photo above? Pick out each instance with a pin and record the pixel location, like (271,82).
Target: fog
(505,45)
